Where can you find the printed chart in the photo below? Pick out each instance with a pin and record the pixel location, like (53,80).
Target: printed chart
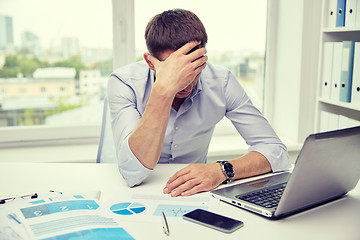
(56,207)
(175,210)
(127,208)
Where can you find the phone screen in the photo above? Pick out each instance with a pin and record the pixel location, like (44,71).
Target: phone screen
(213,220)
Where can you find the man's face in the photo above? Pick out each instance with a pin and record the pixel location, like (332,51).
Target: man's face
(186,91)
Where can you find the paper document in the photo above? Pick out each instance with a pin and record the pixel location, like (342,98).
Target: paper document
(143,207)
(66,217)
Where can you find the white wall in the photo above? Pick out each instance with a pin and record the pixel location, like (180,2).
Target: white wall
(288,56)
(290,102)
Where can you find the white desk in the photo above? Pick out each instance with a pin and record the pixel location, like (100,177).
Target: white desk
(336,220)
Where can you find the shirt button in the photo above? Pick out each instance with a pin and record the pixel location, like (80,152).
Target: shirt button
(176,128)
(175,146)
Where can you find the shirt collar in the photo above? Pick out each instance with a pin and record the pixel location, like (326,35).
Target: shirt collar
(197,89)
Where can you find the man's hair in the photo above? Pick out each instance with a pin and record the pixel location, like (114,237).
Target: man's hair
(172,29)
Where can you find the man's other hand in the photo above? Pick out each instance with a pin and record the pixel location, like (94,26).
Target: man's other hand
(195,178)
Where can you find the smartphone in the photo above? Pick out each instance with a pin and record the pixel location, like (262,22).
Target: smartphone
(213,220)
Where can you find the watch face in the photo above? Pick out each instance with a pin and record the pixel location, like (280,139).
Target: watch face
(229,169)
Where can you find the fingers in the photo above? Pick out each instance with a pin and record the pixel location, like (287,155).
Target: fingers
(197,54)
(193,179)
(200,63)
(188,47)
(196,189)
(196,58)
(177,179)
(193,53)
(186,186)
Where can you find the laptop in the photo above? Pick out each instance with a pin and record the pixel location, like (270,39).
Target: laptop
(327,167)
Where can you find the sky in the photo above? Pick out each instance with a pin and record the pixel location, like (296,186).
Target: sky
(230,24)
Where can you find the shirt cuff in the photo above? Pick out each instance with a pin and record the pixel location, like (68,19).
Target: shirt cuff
(276,155)
(130,167)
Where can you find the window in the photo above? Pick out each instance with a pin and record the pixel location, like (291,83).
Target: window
(46,45)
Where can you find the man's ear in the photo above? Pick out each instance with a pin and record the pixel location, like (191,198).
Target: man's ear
(146,57)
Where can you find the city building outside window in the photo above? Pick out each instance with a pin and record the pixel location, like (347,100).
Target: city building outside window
(44,48)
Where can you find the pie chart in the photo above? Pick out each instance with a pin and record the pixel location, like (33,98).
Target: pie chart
(127,208)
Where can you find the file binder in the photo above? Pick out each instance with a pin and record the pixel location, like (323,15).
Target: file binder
(355,92)
(332,12)
(340,16)
(336,71)
(357,21)
(327,69)
(346,71)
(350,15)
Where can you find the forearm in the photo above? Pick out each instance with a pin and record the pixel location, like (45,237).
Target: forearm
(250,164)
(203,177)
(146,140)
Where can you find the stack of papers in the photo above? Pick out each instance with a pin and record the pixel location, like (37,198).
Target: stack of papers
(58,217)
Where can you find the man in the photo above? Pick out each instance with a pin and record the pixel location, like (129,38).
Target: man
(164,110)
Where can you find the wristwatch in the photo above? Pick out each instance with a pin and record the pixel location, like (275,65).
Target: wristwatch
(228,170)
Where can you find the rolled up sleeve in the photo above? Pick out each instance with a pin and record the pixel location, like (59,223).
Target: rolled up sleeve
(130,167)
(124,119)
(276,154)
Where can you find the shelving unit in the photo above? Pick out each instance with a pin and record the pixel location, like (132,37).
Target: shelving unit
(343,110)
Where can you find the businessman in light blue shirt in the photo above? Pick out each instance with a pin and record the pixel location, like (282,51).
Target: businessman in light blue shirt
(164,110)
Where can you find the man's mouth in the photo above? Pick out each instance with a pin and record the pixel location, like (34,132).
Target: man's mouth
(184,92)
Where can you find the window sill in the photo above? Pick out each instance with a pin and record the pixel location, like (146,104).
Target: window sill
(80,153)
(221,148)
(35,136)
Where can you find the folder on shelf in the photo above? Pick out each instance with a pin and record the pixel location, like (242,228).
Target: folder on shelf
(340,14)
(346,71)
(350,15)
(357,18)
(331,13)
(336,71)
(355,90)
(327,69)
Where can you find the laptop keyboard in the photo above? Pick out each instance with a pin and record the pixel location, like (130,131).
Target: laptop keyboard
(267,198)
